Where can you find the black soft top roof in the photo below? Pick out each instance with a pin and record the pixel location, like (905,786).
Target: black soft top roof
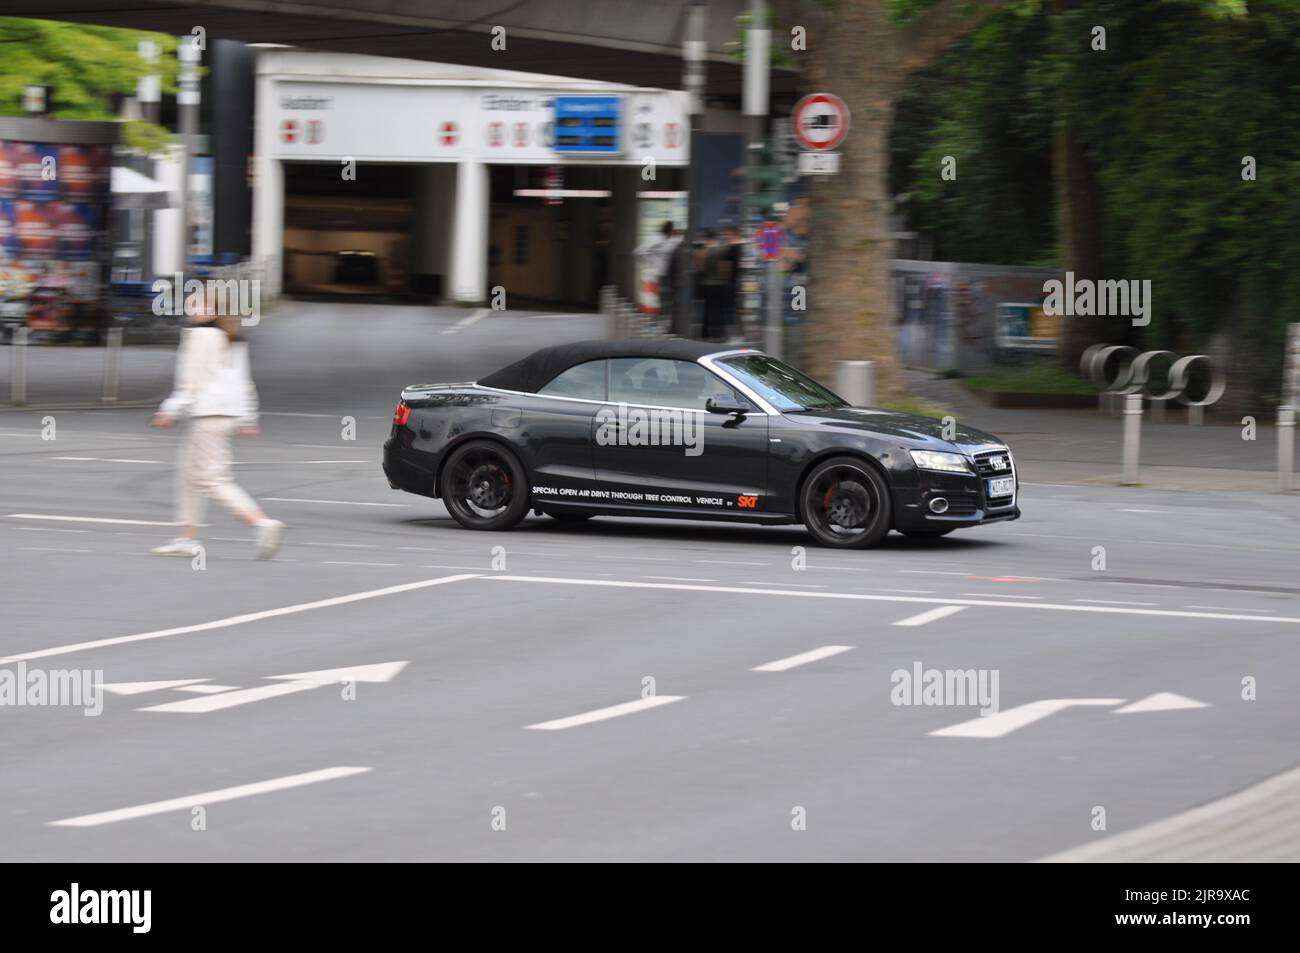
(541,367)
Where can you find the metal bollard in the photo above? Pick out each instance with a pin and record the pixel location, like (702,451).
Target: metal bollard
(855,381)
(1132,437)
(1195,415)
(1285,448)
(112,365)
(18,368)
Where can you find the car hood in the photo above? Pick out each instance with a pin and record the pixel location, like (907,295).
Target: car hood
(921,431)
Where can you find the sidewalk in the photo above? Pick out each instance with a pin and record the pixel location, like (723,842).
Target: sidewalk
(1084,446)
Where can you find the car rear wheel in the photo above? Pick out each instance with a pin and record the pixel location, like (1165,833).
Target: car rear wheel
(484,486)
(846,504)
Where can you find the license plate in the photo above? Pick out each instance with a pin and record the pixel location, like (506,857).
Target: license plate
(1003,486)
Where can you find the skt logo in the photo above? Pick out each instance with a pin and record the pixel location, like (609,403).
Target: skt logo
(747,502)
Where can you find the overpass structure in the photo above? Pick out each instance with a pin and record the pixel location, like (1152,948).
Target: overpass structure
(633,42)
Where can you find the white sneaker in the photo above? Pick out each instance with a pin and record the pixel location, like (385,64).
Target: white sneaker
(269,534)
(180,546)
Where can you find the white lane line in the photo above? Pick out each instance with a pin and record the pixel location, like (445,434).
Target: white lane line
(789,585)
(1231,609)
(52,549)
(930,615)
(914,592)
(49,529)
(680,578)
(295,499)
(342,562)
(803,658)
(234,619)
(802,594)
(104,460)
(1119,602)
(998,595)
(87,519)
(601,714)
(1004,722)
(475,316)
(209,797)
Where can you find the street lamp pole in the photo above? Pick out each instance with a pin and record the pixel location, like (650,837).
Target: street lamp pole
(187,122)
(754,103)
(694,46)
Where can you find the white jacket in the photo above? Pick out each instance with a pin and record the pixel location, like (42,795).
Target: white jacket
(212,378)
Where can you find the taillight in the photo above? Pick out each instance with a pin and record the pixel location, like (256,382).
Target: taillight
(401,415)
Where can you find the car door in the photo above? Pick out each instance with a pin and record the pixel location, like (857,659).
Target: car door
(655,443)
(557,433)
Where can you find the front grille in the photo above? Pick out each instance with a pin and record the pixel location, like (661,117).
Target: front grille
(986,463)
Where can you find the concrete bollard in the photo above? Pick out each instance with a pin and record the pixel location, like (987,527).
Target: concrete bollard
(1285,448)
(855,381)
(1132,437)
(1195,415)
(18,368)
(112,365)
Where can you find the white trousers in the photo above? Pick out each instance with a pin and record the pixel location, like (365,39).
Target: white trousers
(203,470)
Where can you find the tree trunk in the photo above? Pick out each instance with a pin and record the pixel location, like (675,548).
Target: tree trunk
(849,315)
(1078,229)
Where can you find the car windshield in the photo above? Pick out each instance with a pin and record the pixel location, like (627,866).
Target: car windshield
(780,384)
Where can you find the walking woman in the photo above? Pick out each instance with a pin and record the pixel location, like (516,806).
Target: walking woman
(215,390)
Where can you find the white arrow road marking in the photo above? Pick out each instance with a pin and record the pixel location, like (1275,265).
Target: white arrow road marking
(803,658)
(291,684)
(930,615)
(139,688)
(235,619)
(1160,701)
(802,594)
(1005,722)
(600,714)
(207,689)
(209,797)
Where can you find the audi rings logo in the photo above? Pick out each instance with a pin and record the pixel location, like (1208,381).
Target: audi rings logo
(1195,381)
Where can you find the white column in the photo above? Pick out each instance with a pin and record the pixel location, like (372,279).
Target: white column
(470,234)
(268,188)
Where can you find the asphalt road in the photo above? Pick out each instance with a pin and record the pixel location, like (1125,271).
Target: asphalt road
(487,646)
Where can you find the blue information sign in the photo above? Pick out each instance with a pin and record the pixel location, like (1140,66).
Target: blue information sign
(588,125)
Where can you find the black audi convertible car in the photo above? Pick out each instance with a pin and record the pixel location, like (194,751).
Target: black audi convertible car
(685,430)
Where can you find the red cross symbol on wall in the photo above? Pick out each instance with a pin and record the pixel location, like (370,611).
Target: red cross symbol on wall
(448,134)
(289,130)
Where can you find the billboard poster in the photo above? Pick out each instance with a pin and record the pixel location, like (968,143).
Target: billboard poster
(53,211)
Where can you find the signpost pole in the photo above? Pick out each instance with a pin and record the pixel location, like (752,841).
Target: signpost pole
(754,106)
(693,49)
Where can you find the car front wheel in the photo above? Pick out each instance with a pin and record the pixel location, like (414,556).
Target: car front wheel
(484,486)
(846,504)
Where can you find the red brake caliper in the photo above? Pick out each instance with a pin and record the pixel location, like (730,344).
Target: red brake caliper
(830,495)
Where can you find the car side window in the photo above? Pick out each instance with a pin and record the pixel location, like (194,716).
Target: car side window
(586,381)
(666,383)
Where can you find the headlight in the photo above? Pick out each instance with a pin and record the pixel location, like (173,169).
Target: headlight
(935,460)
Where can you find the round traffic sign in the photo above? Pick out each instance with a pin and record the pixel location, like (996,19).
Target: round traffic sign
(448,133)
(820,121)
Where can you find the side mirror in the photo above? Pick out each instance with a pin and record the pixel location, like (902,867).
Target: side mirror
(726,405)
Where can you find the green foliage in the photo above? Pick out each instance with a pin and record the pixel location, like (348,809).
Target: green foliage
(1041,378)
(1164,115)
(87,67)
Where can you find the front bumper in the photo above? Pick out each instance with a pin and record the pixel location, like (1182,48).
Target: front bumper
(967,502)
